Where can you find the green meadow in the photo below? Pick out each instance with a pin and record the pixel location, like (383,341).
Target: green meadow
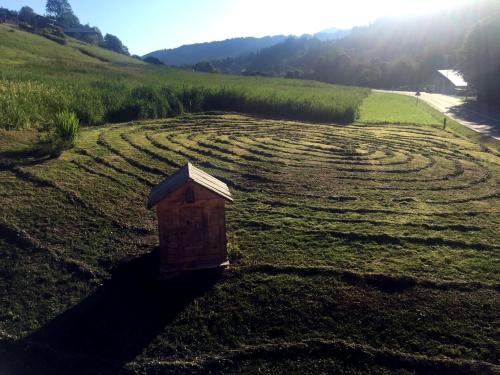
(367,247)
(40,78)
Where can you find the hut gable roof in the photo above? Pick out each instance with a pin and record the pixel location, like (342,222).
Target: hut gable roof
(183,175)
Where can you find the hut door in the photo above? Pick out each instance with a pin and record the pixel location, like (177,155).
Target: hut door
(193,232)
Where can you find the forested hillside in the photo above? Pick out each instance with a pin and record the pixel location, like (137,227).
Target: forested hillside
(240,49)
(194,53)
(390,53)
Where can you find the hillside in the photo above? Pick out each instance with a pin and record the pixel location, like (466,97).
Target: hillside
(103,86)
(389,53)
(19,49)
(194,53)
(242,48)
(332,34)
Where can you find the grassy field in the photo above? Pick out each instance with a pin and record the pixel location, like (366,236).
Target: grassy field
(40,78)
(394,108)
(388,108)
(367,248)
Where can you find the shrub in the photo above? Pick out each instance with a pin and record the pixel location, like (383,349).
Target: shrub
(150,103)
(88,106)
(153,60)
(224,100)
(193,99)
(67,126)
(60,135)
(143,102)
(233,249)
(173,99)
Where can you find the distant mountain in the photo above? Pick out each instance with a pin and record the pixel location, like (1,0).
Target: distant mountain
(332,34)
(392,52)
(193,53)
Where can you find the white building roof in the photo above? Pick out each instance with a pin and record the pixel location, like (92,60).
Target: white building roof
(454,77)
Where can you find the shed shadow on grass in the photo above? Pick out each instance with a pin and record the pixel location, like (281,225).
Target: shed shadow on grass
(114,324)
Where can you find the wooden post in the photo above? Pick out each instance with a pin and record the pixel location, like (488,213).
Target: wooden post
(444,123)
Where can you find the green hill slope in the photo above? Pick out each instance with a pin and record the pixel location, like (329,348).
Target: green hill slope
(18,47)
(101,86)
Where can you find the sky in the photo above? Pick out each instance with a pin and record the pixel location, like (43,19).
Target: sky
(145,26)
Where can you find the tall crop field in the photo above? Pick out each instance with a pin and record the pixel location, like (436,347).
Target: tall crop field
(40,78)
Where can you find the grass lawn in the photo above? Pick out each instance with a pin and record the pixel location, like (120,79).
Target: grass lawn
(366,248)
(387,108)
(382,107)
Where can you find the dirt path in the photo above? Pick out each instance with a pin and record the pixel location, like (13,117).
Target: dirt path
(474,115)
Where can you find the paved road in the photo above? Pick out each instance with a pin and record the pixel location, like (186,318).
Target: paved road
(474,115)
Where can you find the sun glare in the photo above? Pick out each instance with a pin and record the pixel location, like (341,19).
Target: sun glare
(304,17)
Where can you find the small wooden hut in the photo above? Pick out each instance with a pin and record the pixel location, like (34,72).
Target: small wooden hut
(190,206)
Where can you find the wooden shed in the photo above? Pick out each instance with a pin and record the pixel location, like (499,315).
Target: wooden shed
(190,205)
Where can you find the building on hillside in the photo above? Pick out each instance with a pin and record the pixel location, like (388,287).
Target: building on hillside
(41,22)
(449,82)
(80,30)
(9,16)
(190,206)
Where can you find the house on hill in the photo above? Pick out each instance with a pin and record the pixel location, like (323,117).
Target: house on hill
(190,206)
(8,16)
(41,22)
(80,30)
(449,82)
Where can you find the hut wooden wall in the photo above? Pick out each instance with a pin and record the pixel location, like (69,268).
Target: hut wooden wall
(192,235)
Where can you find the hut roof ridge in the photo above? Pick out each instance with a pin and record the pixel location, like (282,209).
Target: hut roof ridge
(187,173)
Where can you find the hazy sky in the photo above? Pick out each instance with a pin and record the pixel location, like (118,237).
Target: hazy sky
(149,25)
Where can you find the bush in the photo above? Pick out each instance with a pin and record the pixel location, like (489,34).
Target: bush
(233,249)
(66,127)
(153,60)
(143,102)
(193,99)
(176,107)
(225,100)
(60,135)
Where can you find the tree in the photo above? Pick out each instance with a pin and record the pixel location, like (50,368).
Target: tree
(112,43)
(480,60)
(61,10)
(152,60)
(69,20)
(58,8)
(27,15)
(204,66)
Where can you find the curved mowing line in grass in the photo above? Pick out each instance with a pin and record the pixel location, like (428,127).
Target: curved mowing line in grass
(312,180)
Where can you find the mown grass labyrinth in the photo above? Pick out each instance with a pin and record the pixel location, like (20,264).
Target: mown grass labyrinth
(375,242)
